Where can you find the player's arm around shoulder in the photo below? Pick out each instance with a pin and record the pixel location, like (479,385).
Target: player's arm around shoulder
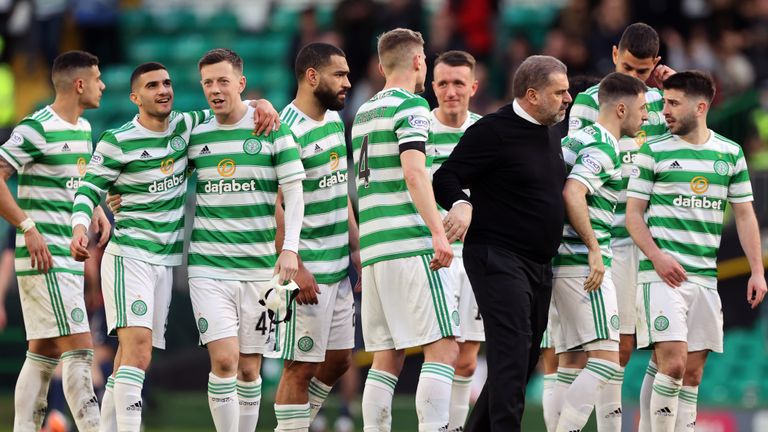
(265,118)
(103,169)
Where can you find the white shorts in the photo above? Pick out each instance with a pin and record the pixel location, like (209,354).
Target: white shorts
(690,313)
(470,321)
(314,329)
(624,274)
(136,294)
(584,316)
(53,305)
(405,304)
(230,308)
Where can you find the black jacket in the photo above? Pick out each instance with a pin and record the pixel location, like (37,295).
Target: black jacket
(515,173)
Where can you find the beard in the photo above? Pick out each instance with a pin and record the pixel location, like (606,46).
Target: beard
(684,125)
(554,118)
(329,98)
(629,130)
(560,116)
(158,114)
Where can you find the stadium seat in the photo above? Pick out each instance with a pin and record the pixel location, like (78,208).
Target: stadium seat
(222,21)
(247,48)
(284,20)
(187,50)
(187,100)
(272,47)
(117,78)
(148,48)
(135,22)
(174,21)
(532,21)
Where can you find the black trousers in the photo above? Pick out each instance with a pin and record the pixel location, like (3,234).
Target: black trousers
(513,295)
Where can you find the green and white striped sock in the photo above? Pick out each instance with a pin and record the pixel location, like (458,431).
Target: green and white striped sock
(461,390)
(565,377)
(78,388)
(547,402)
(292,418)
(583,393)
(30,395)
(129,381)
(377,400)
(608,408)
(645,397)
(318,391)
(223,402)
(664,402)
(433,396)
(108,421)
(249,395)
(686,408)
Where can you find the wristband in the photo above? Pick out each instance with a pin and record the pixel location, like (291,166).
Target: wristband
(26,225)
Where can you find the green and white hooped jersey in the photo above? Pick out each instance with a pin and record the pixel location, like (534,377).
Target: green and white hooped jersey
(50,156)
(390,225)
(592,155)
(584,113)
(149,171)
(324,240)
(687,186)
(233,234)
(442,141)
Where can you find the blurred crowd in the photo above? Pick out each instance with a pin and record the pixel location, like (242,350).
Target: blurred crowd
(728,38)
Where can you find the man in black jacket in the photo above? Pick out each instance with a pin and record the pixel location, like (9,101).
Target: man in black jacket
(515,174)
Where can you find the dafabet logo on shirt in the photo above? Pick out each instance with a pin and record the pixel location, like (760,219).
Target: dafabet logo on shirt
(226,167)
(166,166)
(699,185)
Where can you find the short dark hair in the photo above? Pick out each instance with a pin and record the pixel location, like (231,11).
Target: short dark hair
(315,55)
(616,86)
(692,83)
(68,62)
(534,72)
(74,60)
(641,40)
(218,55)
(456,58)
(144,68)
